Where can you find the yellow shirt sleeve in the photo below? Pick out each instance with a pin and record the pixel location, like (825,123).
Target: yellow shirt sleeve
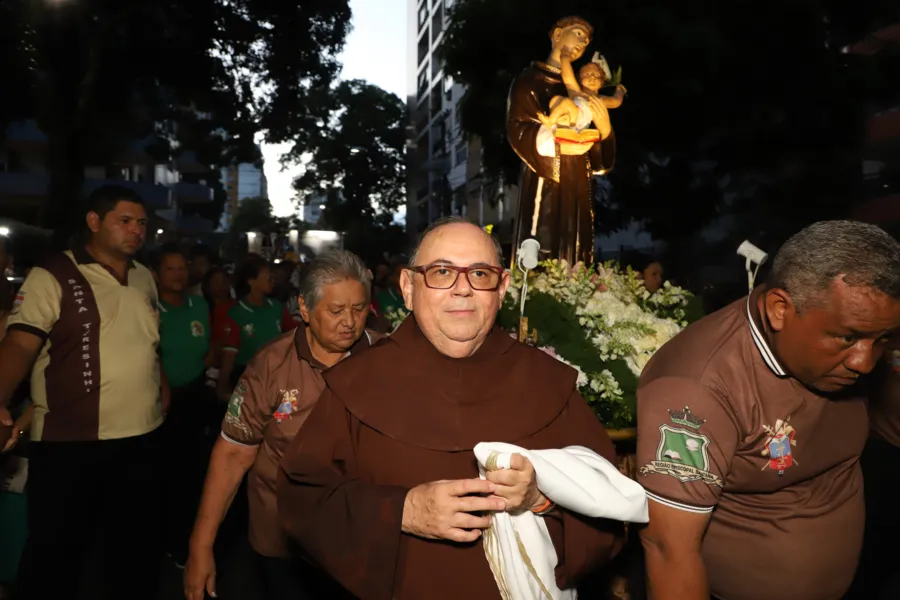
(37,305)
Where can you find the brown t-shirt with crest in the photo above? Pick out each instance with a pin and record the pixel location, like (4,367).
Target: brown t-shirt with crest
(269,405)
(723,429)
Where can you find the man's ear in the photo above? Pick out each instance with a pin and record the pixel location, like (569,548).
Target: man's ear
(407,284)
(778,307)
(504,285)
(304,310)
(93,221)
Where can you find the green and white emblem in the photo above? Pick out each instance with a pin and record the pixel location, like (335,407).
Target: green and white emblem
(233,414)
(683,452)
(234,405)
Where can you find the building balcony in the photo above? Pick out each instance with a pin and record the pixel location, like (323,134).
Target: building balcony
(34,188)
(23,185)
(187,162)
(24,134)
(192,193)
(456,178)
(155,197)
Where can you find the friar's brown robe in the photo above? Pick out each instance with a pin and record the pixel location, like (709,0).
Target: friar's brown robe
(564,223)
(402,414)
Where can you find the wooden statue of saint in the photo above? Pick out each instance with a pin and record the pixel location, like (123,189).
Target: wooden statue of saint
(560,159)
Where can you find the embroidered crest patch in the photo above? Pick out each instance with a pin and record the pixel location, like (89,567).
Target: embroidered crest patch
(288,405)
(682,452)
(20,298)
(778,446)
(233,414)
(197,329)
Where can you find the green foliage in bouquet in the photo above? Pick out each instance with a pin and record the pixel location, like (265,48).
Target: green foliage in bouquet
(559,329)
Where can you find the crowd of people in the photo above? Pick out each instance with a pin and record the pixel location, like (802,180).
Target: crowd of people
(170,408)
(81,340)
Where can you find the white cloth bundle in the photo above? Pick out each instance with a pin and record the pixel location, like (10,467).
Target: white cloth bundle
(518,547)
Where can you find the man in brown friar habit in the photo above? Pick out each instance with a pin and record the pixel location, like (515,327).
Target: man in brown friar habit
(382,488)
(555,191)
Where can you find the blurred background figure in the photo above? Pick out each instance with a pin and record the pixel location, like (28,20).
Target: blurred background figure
(185,353)
(201,263)
(649,269)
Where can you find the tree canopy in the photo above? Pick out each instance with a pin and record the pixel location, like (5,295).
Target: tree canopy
(254,214)
(743,108)
(355,162)
(202,76)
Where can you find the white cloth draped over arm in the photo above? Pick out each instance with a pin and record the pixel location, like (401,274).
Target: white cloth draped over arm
(518,547)
(546,141)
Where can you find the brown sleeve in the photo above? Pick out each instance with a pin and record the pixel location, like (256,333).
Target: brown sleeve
(251,405)
(522,126)
(347,526)
(687,437)
(585,544)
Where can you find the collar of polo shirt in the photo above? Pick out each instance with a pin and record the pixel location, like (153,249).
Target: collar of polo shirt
(83,257)
(760,341)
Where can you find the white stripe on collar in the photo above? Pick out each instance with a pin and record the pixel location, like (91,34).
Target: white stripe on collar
(761,345)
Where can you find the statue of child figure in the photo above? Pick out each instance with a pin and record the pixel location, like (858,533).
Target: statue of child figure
(574,111)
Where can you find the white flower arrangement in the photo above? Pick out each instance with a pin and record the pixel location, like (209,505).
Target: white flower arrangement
(396,317)
(621,325)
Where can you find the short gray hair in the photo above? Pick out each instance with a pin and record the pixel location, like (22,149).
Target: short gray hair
(455,220)
(333,266)
(865,255)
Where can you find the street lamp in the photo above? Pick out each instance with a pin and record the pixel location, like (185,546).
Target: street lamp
(4,231)
(355,149)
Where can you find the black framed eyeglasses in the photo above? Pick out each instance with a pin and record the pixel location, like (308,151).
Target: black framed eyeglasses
(443,277)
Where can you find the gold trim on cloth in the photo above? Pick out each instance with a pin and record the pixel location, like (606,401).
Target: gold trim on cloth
(590,178)
(537,206)
(550,68)
(556,163)
(492,549)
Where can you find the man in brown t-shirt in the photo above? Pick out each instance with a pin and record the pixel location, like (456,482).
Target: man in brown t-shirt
(751,423)
(268,407)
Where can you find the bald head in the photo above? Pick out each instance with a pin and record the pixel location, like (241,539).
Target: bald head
(459,229)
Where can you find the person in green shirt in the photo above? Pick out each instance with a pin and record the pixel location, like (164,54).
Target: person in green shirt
(389,300)
(251,323)
(184,347)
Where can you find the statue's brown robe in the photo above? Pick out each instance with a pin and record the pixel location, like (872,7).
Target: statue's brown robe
(402,414)
(564,224)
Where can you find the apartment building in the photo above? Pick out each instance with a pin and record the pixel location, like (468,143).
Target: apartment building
(166,188)
(241,181)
